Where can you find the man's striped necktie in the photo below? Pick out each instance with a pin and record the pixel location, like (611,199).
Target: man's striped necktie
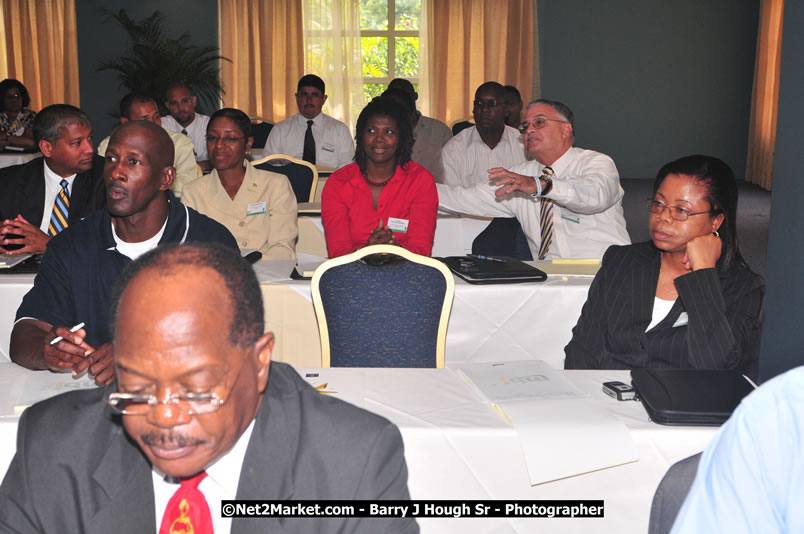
(61,210)
(546,219)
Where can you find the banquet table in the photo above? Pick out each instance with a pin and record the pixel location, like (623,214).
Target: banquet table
(13,157)
(458,447)
(12,288)
(530,321)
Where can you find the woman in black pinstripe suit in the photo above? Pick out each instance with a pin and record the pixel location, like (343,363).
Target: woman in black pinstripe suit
(685,299)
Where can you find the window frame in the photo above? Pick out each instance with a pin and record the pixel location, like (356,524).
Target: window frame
(391,34)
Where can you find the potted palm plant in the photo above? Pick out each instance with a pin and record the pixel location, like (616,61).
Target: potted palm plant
(153,60)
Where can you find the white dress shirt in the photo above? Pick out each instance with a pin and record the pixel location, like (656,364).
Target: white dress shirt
(334,146)
(52,190)
(197,130)
(587,211)
(467,159)
(220,484)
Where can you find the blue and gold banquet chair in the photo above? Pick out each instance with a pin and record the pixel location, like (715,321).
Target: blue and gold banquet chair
(387,313)
(303,175)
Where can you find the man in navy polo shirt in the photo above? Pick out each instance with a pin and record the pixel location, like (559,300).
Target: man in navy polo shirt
(82,263)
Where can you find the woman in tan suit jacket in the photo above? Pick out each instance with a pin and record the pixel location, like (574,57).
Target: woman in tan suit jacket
(257,207)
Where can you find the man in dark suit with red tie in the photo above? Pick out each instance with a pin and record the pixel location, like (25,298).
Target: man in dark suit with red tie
(199,415)
(40,198)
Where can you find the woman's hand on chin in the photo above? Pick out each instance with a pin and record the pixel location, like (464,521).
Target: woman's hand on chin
(702,252)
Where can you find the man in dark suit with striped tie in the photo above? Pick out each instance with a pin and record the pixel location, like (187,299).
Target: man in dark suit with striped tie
(40,198)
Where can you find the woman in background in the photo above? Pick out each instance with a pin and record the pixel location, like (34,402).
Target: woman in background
(685,299)
(383,197)
(16,122)
(258,207)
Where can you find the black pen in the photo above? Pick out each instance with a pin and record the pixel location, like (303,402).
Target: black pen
(487,258)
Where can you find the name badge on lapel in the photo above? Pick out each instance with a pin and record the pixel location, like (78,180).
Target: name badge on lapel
(328,147)
(255,208)
(398,225)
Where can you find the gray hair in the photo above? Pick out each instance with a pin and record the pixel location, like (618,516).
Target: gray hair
(49,122)
(562,109)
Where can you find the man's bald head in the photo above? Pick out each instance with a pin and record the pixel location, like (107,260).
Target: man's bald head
(160,146)
(138,173)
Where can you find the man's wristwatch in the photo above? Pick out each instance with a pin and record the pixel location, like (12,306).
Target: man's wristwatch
(548,185)
(541,191)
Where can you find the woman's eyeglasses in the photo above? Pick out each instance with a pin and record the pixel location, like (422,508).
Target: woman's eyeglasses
(676,212)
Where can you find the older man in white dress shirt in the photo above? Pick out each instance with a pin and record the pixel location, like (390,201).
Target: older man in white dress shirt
(567,199)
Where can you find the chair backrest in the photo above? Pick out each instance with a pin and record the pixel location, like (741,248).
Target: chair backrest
(671,493)
(390,315)
(260,129)
(302,175)
(462,124)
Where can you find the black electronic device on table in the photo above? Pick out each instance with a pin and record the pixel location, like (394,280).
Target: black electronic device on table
(493,269)
(11,264)
(702,397)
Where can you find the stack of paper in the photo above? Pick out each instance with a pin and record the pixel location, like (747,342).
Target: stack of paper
(562,433)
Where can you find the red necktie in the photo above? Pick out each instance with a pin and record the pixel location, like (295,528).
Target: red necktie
(187,511)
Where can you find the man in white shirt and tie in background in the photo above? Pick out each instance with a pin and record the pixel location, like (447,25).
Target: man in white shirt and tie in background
(40,198)
(567,199)
(181,102)
(311,135)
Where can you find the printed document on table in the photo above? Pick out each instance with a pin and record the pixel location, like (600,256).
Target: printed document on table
(561,430)
(517,380)
(561,438)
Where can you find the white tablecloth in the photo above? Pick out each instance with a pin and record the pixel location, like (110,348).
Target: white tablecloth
(7,159)
(487,323)
(458,447)
(501,322)
(12,288)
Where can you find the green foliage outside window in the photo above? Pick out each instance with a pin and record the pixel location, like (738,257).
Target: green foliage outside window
(374,49)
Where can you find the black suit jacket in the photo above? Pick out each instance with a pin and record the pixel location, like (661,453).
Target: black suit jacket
(22,191)
(723,309)
(76,470)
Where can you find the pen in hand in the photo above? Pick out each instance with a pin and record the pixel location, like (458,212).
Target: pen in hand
(76,328)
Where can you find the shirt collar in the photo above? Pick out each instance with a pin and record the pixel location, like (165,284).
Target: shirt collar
(226,469)
(474,137)
(52,177)
(560,164)
(316,120)
(172,232)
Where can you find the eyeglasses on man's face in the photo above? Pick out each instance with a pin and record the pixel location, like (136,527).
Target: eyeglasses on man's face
(190,402)
(677,213)
(537,123)
(492,103)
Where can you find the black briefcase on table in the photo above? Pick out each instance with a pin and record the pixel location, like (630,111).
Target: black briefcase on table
(690,396)
(495,270)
